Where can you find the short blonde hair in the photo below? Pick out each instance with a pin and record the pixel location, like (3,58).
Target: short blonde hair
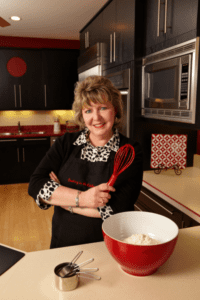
(97,89)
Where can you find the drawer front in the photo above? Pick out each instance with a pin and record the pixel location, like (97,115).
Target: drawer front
(152,203)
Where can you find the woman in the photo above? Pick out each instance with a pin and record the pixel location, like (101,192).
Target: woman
(74,173)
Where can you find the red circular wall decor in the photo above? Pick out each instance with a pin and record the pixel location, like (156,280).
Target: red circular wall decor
(16,66)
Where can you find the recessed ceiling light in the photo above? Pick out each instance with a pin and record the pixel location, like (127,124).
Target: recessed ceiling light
(15,18)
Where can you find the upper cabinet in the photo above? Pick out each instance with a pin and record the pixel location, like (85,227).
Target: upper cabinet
(59,77)
(37,79)
(119,32)
(114,26)
(20,82)
(92,34)
(169,22)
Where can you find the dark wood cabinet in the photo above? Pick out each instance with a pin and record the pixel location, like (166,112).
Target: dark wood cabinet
(126,30)
(149,202)
(23,92)
(59,77)
(114,26)
(48,82)
(119,32)
(169,23)
(92,34)
(32,152)
(10,161)
(20,157)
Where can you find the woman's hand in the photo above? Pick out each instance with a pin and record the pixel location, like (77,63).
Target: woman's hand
(54,177)
(96,196)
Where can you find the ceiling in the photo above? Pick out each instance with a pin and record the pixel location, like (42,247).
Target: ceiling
(52,19)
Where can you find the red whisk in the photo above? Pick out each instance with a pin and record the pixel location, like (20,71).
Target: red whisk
(123,158)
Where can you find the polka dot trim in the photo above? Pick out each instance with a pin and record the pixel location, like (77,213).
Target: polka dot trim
(46,192)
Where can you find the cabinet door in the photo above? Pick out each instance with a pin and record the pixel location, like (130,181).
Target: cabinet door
(181,17)
(32,152)
(94,30)
(125,30)
(60,76)
(10,161)
(31,91)
(83,41)
(109,35)
(188,222)
(157,205)
(9,92)
(155,17)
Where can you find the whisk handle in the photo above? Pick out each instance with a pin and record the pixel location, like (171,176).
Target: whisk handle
(112,180)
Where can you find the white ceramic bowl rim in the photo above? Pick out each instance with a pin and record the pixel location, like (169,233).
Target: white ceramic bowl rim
(123,225)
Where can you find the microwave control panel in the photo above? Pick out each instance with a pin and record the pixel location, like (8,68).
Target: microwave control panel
(184,85)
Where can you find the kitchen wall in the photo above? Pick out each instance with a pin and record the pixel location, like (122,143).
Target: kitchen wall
(10,118)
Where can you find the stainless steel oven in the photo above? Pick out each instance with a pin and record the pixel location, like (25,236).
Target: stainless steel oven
(169,83)
(121,81)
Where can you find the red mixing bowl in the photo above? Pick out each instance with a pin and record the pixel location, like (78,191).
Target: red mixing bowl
(140,260)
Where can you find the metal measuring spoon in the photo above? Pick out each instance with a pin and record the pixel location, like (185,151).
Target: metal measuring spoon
(77,267)
(68,268)
(88,275)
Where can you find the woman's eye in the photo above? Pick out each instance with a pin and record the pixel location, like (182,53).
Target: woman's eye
(103,107)
(88,111)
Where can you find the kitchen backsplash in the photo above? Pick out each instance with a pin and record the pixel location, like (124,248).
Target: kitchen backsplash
(11,118)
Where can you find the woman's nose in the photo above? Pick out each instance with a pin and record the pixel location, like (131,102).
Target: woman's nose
(96,115)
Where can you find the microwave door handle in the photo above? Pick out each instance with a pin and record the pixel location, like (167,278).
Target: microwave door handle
(179,83)
(158,23)
(189,82)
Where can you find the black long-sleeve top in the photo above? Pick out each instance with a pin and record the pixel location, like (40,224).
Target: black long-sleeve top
(127,185)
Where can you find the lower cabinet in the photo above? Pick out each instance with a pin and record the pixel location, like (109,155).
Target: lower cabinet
(148,201)
(20,157)
(10,161)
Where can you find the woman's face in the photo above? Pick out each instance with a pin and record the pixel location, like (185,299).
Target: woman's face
(99,119)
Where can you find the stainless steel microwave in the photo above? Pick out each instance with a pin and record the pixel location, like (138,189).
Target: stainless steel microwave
(169,83)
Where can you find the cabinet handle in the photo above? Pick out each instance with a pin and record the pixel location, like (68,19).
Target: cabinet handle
(114,46)
(45,95)
(13,140)
(85,40)
(23,154)
(170,212)
(165,24)
(158,23)
(88,43)
(20,95)
(138,207)
(40,139)
(15,94)
(110,48)
(18,155)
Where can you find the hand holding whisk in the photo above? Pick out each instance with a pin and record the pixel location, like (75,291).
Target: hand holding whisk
(123,159)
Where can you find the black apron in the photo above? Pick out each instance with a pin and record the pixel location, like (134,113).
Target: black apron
(73,229)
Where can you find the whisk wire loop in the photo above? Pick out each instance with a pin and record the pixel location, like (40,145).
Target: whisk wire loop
(123,158)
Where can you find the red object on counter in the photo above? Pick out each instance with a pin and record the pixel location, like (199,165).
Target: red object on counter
(139,260)
(168,149)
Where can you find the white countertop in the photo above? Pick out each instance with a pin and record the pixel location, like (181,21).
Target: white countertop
(182,191)
(179,278)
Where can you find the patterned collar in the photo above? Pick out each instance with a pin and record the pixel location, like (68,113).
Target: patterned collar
(111,145)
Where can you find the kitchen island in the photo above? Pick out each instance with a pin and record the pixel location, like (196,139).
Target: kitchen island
(179,278)
(182,191)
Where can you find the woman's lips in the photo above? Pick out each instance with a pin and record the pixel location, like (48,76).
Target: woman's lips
(99,125)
